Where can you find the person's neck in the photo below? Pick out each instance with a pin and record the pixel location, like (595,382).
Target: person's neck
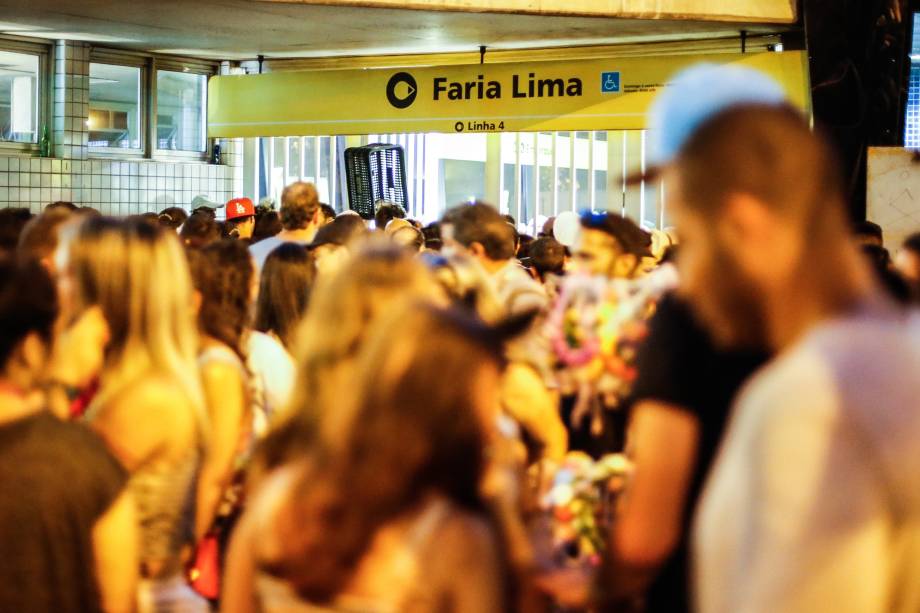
(14,403)
(840,285)
(302,235)
(493,266)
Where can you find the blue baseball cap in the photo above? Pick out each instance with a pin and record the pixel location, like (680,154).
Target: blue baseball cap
(696,95)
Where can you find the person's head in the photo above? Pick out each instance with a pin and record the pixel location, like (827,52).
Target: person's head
(268,224)
(60,204)
(397,224)
(405,432)
(199,230)
(868,233)
(28,310)
(385,212)
(409,237)
(333,242)
(760,209)
(203,204)
(284,291)
(173,217)
(39,239)
(135,275)
(432,234)
(327,213)
(611,245)
(89,211)
(509,219)
(547,229)
(891,281)
(907,260)
(482,231)
(241,218)
(524,241)
(12,223)
(547,257)
(345,307)
(299,206)
(223,276)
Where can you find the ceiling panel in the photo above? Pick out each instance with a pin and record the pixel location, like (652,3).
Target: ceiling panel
(243,29)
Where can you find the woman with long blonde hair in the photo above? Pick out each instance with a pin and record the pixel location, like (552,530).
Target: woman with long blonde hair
(130,278)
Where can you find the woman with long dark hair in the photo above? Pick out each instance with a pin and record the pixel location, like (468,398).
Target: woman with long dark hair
(284,290)
(384,512)
(223,277)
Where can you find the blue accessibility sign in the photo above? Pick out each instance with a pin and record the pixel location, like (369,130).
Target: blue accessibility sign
(610,82)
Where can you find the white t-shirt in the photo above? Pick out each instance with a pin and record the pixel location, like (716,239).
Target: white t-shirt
(814,501)
(273,368)
(261,250)
(517,291)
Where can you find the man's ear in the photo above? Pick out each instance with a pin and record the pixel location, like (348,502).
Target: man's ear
(477,250)
(746,220)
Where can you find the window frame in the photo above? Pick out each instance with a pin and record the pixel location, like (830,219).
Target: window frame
(43,50)
(198,67)
(132,60)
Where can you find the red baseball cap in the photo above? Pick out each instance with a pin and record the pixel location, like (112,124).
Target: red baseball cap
(240,207)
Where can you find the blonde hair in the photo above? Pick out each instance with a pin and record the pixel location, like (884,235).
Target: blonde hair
(137,274)
(344,309)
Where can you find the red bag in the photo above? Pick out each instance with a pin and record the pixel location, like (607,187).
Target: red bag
(204,571)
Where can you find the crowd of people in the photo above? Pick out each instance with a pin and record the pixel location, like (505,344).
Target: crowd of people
(304,410)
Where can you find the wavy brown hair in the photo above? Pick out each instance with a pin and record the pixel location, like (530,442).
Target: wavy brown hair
(408,431)
(222,274)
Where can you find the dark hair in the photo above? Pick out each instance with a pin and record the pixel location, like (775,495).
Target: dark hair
(547,229)
(912,243)
(284,290)
(880,261)
(12,223)
(28,304)
(432,234)
(268,224)
(387,212)
(481,223)
(173,217)
(411,431)
(524,242)
(629,236)
(341,231)
(222,273)
(328,211)
(547,256)
(39,238)
(869,229)
(61,204)
(509,219)
(199,230)
(299,203)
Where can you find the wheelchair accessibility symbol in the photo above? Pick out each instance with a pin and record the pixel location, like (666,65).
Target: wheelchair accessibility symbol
(610,82)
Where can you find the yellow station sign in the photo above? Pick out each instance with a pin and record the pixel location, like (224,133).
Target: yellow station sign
(603,94)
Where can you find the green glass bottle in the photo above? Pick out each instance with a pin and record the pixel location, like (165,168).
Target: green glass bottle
(44,145)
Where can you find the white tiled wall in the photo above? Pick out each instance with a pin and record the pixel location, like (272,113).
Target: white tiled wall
(113,187)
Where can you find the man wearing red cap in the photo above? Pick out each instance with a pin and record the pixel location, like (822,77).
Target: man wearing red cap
(241,218)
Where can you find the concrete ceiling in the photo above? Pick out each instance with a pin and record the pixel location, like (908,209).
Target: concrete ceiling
(243,29)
